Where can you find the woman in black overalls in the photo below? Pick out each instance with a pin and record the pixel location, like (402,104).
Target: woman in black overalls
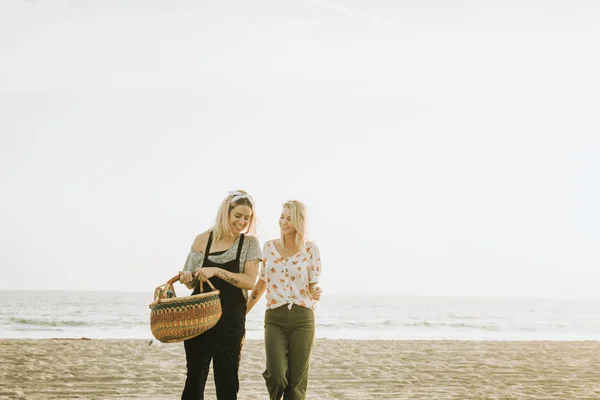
(231,267)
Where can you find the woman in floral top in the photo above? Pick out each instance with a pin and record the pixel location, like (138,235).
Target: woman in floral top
(289,274)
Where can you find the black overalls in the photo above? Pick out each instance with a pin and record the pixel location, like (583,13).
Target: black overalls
(223,342)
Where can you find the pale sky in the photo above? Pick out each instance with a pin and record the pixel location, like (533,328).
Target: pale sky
(442,147)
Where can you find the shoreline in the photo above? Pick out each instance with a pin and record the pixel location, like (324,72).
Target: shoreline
(496,341)
(148,339)
(75,368)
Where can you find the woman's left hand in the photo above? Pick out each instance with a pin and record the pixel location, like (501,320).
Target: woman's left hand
(203,274)
(316,293)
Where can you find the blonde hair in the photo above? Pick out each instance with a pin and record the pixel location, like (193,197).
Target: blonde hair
(298,217)
(221,229)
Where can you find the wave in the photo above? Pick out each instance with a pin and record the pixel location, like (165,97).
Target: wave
(47,323)
(459,325)
(387,324)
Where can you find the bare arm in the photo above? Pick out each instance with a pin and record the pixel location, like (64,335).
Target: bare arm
(242,280)
(257,292)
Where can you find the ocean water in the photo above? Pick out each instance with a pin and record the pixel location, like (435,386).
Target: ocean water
(122,315)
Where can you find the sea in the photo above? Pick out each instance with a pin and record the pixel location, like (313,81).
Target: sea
(125,315)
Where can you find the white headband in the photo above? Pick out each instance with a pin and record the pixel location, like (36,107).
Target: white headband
(239,195)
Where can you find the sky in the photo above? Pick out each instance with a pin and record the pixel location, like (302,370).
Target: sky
(443,148)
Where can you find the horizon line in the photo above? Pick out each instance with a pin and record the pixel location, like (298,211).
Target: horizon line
(331,294)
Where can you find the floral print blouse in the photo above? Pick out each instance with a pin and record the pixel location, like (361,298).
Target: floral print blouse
(288,279)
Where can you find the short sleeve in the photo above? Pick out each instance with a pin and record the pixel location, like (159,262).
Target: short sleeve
(193,261)
(253,253)
(262,271)
(315,264)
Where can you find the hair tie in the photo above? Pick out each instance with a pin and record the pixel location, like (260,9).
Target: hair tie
(239,195)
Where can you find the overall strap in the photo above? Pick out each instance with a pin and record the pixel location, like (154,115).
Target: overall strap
(207,250)
(239,252)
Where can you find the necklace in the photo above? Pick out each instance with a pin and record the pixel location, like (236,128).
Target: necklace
(287,252)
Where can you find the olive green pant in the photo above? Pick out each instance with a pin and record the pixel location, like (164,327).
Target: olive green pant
(289,338)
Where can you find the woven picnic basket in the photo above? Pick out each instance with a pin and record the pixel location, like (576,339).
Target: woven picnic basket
(174,319)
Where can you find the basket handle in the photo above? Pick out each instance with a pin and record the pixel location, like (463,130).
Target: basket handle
(176,278)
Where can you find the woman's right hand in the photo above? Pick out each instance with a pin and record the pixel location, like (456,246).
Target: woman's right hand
(186,277)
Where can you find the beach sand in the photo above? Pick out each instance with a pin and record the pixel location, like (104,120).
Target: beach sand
(340,369)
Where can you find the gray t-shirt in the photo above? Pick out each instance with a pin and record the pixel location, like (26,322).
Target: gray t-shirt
(250,252)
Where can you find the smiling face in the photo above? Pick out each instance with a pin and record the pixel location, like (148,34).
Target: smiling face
(285,222)
(239,218)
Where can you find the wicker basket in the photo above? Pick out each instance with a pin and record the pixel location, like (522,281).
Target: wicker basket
(174,319)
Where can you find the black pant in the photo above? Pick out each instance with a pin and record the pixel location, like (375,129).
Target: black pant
(225,353)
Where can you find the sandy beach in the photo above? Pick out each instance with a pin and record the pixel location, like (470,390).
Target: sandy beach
(341,369)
